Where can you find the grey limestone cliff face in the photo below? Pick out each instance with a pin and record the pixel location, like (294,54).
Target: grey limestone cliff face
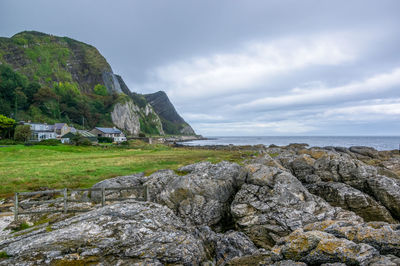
(127,116)
(111,82)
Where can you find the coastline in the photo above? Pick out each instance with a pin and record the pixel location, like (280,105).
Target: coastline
(380,143)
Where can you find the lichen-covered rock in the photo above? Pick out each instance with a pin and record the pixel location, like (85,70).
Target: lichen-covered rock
(387,191)
(342,168)
(303,168)
(273,203)
(316,247)
(157,182)
(203,196)
(128,232)
(365,151)
(227,246)
(382,236)
(388,260)
(349,198)
(259,258)
(266,160)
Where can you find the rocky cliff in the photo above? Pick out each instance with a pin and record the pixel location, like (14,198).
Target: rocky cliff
(288,206)
(172,122)
(48,60)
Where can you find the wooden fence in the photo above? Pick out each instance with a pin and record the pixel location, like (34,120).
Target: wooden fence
(64,199)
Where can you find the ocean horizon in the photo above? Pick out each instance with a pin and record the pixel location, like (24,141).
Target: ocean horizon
(377,142)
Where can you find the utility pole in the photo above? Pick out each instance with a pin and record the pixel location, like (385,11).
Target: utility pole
(83,122)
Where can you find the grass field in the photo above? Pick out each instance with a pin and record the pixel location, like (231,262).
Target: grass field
(29,168)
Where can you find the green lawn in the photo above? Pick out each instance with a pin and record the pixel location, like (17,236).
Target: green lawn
(30,168)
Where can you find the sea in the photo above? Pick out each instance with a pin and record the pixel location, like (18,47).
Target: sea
(377,142)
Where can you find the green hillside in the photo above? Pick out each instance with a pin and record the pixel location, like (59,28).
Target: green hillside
(46,58)
(45,78)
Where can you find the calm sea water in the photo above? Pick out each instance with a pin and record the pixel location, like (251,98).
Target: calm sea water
(379,143)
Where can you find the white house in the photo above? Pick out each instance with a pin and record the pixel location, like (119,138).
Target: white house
(41,131)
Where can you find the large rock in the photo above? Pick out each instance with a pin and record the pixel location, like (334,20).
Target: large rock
(135,180)
(227,246)
(203,196)
(349,198)
(155,184)
(341,168)
(273,203)
(316,248)
(365,151)
(122,233)
(382,236)
(387,191)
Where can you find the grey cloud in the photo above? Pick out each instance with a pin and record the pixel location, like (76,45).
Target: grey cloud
(141,39)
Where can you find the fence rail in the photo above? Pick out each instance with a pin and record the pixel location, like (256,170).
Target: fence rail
(64,199)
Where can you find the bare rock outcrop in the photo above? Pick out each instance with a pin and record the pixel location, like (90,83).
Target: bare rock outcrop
(204,194)
(316,248)
(349,198)
(273,203)
(122,233)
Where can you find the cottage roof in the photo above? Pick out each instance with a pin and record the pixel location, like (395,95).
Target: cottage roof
(109,130)
(84,133)
(59,125)
(44,127)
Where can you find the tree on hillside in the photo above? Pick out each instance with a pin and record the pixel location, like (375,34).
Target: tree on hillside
(100,90)
(22,133)
(6,126)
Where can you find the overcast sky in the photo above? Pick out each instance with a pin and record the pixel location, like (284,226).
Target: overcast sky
(244,67)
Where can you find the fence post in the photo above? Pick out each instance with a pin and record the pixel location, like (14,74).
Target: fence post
(16,207)
(146,193)
(65,200)
(103,196)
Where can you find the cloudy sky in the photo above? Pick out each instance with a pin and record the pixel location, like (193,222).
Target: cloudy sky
(231,67)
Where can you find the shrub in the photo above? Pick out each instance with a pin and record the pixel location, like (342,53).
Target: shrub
(142,135)
(8,142)
(49,142)
(100,90)
(79,140)
(105,140)
(3,255)
(22,132)
(21,226)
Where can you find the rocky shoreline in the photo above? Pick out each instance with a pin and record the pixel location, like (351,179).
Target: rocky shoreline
(289,205)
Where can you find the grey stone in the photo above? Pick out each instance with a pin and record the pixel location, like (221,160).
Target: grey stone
(129,231)
(365,151)
(203,196)
(382,236)
(271,206)
(349,198)
(316,247)
(135,180)
(227,246)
